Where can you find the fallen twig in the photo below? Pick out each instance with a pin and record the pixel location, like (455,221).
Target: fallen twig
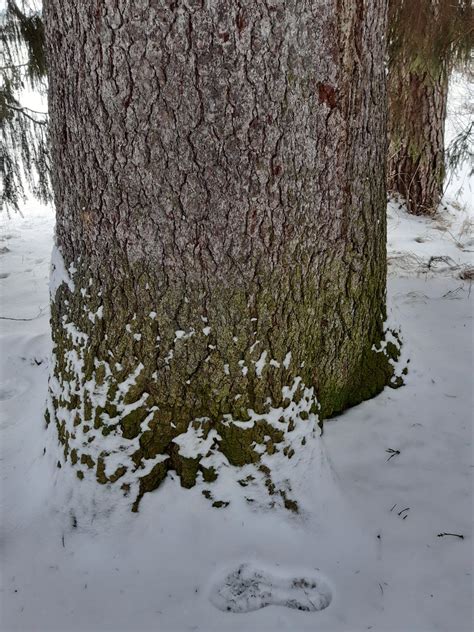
(455,535)
(7,318)
(453,293)
(40,313)
(392,453)
(449,261)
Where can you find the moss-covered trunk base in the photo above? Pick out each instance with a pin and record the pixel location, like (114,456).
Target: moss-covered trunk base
(134,395)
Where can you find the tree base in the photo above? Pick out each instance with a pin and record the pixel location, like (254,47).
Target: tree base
(136,456)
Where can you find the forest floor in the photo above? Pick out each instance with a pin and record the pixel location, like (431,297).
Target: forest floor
(384,537)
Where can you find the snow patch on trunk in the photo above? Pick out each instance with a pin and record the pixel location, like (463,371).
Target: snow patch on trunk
(59,274)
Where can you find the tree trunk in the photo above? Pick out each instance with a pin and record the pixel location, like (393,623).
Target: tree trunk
(220,230)
(417,113)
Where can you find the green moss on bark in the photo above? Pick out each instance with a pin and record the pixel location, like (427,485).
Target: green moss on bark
(237,443)
(248,354)
(150,482)
(131,423)
(370,378)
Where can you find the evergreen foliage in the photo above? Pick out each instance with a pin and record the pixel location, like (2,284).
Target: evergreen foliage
(24,152)
(461,148)
(430,35)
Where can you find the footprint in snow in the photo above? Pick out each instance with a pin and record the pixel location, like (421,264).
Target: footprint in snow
(4,275)
(248,588)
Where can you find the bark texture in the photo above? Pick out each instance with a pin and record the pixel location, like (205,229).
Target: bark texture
(417,114)
(220,198)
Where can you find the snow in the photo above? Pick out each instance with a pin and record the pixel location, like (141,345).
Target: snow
(192,442)
(374,492)
(59,274)
(183,335)
(260,363)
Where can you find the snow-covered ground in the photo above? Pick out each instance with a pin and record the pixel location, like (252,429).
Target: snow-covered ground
(376,491)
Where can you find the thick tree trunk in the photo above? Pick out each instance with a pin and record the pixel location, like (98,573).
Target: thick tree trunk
(220,205)
(417,113)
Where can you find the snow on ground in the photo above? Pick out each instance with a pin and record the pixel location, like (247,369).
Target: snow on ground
(365,553)
(376,492)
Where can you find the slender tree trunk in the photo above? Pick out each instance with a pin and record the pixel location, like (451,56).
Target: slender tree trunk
(417,113)
(220,203)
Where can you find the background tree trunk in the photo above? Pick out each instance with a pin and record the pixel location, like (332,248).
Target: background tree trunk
(220,205)
(417,113)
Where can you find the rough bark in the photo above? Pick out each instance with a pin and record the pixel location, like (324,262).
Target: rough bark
(220,198)
(417,114)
